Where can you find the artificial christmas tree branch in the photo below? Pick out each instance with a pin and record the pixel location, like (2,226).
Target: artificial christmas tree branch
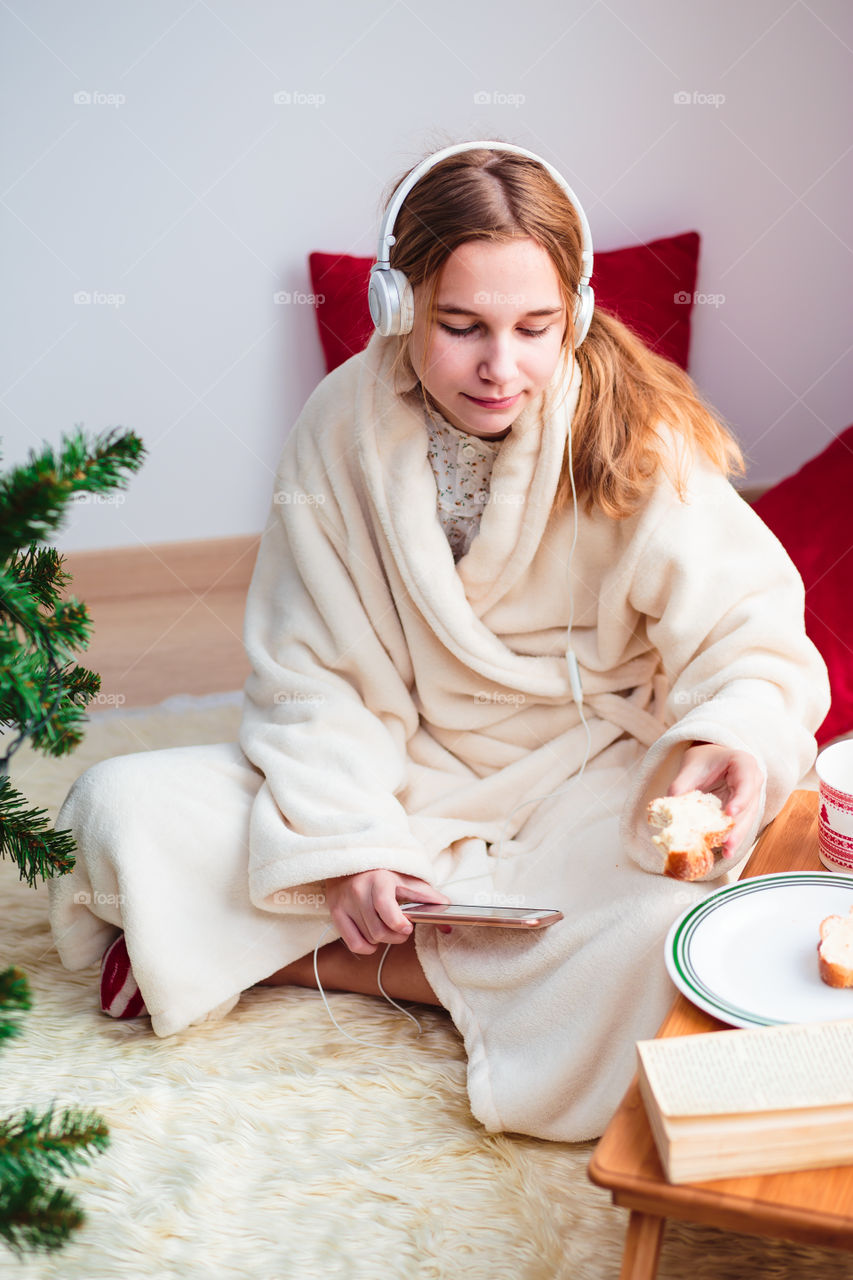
(35,1216)
(33,497)
(48,1144)
(14,1000)
(25,836)
(38,631)
(43,695)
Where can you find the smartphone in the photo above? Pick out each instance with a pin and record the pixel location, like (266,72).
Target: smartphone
(497,917)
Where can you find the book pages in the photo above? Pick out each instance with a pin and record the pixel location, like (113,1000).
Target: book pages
(768,1069)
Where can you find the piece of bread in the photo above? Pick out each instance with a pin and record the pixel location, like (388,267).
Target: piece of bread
(835,950)
(692,830)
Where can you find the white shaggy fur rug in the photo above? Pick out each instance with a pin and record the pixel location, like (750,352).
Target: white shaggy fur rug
(269,1147)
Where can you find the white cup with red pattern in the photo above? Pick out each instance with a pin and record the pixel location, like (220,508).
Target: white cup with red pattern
(834,768)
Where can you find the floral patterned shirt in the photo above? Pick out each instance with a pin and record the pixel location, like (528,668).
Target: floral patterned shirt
(462,465)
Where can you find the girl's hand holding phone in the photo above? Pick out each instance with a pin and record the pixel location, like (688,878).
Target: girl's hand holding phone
(365,907)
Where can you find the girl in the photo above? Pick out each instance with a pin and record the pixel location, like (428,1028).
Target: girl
(505,597)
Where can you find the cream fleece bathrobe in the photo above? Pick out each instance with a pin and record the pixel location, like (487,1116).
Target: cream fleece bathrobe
(407,712)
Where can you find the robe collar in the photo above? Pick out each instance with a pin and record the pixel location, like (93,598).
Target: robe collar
(391,440)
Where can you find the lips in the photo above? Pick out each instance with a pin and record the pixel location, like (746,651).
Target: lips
(506,403)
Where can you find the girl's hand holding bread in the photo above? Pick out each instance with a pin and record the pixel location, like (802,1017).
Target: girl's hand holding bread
(710,806)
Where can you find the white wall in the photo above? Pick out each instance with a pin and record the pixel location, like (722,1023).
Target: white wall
(195,198)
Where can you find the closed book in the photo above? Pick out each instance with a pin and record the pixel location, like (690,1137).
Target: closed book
(731,1104)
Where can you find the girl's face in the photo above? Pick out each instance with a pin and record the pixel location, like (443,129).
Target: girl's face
(498,334)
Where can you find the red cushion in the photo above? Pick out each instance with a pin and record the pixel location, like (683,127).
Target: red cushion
(645,286)
(650,287)
(339,283)
(810,514)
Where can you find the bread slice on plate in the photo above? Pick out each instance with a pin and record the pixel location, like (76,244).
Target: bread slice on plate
(691,830)
(835,950)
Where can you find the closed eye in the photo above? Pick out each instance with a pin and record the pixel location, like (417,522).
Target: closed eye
(463,333)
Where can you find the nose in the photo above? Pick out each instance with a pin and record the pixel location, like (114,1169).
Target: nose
(499,364)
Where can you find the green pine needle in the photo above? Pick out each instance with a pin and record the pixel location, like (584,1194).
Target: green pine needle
(14,1001)
(49,1144)
(35,1216)
(40,568)
(33,497)
(26,837)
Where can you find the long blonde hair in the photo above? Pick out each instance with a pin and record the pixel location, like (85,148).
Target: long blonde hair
(627,390)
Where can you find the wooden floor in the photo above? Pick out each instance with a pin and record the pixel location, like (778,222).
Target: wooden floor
(167,618)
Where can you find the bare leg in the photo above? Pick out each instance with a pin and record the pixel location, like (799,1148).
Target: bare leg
(341,970)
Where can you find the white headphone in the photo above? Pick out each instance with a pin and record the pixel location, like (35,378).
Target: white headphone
(389,294)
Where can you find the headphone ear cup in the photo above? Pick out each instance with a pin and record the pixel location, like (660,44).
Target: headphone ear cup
(377,300)
(407,303)
(391,301)
(584,309)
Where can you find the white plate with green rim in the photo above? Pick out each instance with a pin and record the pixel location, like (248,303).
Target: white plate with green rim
(747,954)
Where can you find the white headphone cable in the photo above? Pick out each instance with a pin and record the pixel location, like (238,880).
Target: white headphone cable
(571,660)
(370,1044)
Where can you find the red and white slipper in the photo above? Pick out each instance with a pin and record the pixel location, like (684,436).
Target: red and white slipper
(120,996)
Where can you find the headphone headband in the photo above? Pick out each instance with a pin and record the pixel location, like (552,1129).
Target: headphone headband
(390,296)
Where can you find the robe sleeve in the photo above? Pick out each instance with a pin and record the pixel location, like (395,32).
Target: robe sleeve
(724,606)
(326,714)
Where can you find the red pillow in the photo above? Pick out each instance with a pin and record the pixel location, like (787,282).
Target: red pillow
(810,514)
(649,287)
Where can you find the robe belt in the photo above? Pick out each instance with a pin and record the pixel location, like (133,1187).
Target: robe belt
(625,715)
